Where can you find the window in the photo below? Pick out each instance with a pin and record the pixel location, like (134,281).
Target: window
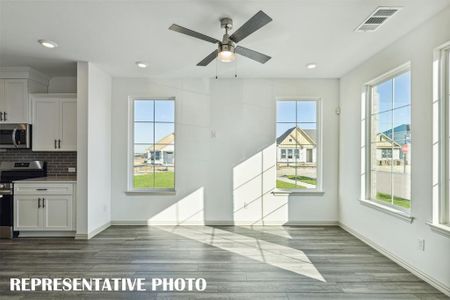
(298,135)
(152,144)
(389,108)
(441,138)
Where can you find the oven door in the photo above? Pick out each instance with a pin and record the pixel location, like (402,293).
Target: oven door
(15,136)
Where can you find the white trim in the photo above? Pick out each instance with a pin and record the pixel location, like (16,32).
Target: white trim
(440,228)
(130,141)
(422,275)
(366,142)
(312,223)
(295,192)
(319,129)
(90,235)
(388,209)
(24,73)
(155,223)
(152,192)
(441,133)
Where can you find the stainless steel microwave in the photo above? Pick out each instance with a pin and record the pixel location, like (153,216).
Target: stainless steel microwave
(15,136)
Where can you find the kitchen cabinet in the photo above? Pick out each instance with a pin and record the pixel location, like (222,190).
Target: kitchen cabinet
(14,101)
(54,120)
(43,207)
(16,83)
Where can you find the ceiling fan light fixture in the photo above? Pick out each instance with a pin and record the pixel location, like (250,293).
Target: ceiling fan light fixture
(226,53)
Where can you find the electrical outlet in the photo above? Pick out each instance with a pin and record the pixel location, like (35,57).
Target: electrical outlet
(421,244)
(71,170)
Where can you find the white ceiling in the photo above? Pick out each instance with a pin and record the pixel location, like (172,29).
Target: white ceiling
(115,34)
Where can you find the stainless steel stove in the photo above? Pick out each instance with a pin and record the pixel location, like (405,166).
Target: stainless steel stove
(9,172)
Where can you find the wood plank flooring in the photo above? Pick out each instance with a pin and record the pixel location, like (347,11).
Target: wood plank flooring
(237,263)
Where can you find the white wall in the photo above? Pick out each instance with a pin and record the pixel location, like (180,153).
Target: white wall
(99,149)
(226,178)
(82,148)
(94,149)
(67,84)
(394,235)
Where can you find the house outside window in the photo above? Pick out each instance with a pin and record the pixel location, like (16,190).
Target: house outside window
(152,144)
(389,139)
(298,135)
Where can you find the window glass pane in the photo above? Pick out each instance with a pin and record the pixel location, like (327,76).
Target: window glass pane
(286,134)
(402,90)
(164,133)
(382,97)
(143,133)
(382,127)
(391,142)
(165,110)
(143,110)
(286,173)
(286,111)
(164,177)
(142,167)
(306,111)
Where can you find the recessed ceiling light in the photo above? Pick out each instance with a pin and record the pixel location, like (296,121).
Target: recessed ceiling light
(48,44)
(311,66)
(141,64)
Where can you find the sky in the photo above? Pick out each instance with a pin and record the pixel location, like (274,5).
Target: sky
(394,102)
(290,113)
(153,121)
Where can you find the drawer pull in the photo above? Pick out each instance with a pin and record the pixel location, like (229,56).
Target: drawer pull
(41,189)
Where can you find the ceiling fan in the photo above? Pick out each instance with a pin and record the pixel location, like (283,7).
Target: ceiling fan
(227,46)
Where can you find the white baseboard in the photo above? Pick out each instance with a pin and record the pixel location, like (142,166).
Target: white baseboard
(90,235)
(425,277)
(225,223)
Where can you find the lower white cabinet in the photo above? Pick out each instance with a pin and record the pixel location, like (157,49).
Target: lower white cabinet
(44,210)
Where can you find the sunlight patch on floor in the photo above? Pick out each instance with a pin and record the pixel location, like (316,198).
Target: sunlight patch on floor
(279,256)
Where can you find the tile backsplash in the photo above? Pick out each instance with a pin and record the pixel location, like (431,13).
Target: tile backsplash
(57,162)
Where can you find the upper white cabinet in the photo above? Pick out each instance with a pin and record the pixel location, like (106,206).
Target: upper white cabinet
(15,86)
(54,120)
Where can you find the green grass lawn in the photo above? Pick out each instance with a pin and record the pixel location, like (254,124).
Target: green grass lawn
(286,185)
(304,179)
(161,180)
(402,202)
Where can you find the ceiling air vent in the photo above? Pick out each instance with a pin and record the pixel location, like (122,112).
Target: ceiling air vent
(377,18)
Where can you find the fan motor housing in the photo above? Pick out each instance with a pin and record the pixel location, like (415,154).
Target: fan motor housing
(226,47)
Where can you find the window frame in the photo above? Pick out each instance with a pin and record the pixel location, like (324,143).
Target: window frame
(367,142)
(130,141)
(319,180)
(441,140)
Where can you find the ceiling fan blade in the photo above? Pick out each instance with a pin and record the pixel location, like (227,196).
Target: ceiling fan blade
(193,33)
(252,54)
(254,23)
(208,59)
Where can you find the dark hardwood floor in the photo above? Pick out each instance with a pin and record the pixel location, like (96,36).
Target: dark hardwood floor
(237,262)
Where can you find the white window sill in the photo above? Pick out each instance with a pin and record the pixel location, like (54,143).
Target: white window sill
(302,192)
(152,192)
(389,210)
(440,228)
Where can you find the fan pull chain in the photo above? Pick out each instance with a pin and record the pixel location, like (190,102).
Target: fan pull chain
(216,70)
(235,67)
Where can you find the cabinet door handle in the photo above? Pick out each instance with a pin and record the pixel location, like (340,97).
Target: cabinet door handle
(43,202)
(42,189)
(39,202)
(55,144)
(4,116)
(1,116)
(59,144)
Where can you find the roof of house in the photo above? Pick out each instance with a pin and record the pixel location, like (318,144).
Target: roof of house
(163,143)
(310,133)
